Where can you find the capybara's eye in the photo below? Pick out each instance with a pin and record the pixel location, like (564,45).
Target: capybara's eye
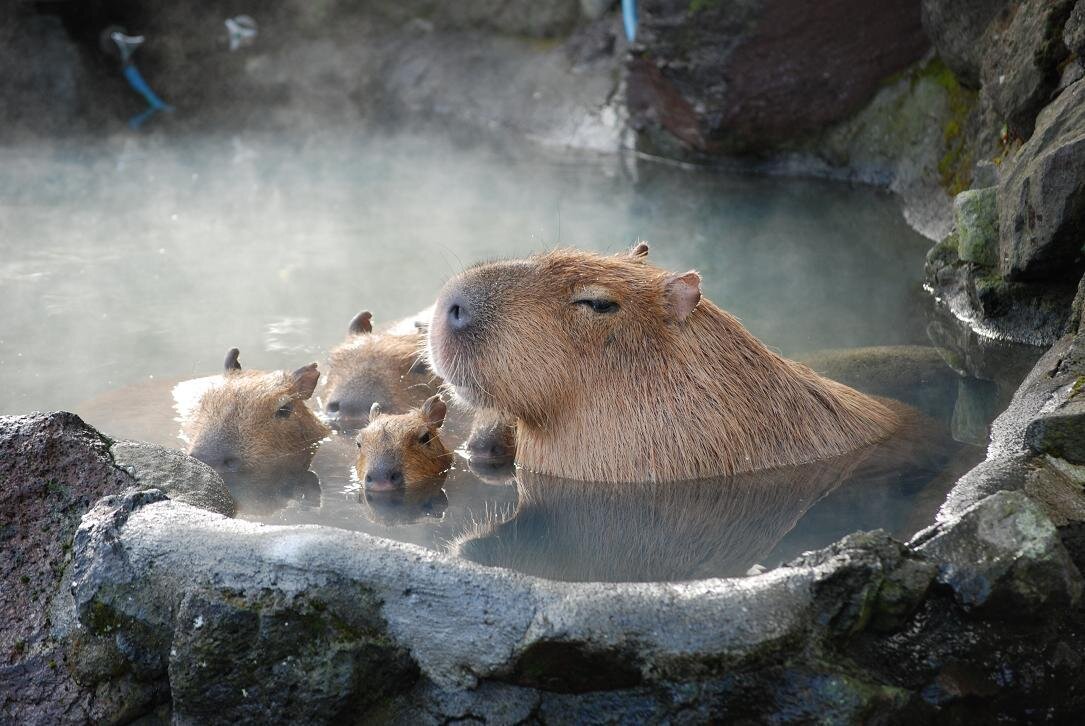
(425,438)
(285,410)
(599,306)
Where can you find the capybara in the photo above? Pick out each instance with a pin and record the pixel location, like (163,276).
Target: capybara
(387,367)
(619,370)
(401,450)
(384,367)
(255,421)
(492,438)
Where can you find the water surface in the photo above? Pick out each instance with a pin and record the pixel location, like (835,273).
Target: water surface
(132,262)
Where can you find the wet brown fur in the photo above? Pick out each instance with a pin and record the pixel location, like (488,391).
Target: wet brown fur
(397,438)
(380,366)
(641,393)
(240,411)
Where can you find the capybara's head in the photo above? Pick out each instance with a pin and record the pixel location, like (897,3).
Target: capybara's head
(255,421)
(492,438)
(525,336)
(399,450)
(374,367)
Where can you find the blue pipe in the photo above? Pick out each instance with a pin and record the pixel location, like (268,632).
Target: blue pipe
(135,80)
(629,18)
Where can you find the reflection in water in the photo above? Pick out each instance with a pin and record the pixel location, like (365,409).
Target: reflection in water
(266,494)
(718,527)
(409,505)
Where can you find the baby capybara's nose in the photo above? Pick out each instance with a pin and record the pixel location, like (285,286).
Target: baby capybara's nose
(216,457)
(458,313)
(384,478)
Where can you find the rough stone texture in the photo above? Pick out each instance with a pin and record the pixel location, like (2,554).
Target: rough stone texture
(53,467)
(1023,50)
(1042,197)
(956,28)
(181,477)
(1073,35)
(515,17)
(1060,432)
(725,77)
(1004,556)
(976,216)
(1034,313)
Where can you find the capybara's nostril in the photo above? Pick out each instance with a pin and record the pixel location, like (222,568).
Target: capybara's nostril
(332,407)
(396,477)
(459,317)
(383,478)
(230,463)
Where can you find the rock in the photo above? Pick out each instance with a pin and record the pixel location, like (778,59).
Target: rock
(53,467)
(181,477)
(1041,200)
(984,174)
(1020,65)
(914,374)
(536,18)
(321,656)
(595,9)
(1003,557)
(727,77)
(1073,35)
(976,215)
(956,28)
(1060,432)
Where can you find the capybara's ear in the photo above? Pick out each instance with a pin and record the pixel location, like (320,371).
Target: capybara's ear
(639,251)
(683,294)
(421,326)
(305,379)
(231,365)
(434,410)
(374,410)
(362,323)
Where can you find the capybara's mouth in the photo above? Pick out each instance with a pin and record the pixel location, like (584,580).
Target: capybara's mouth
(382,486)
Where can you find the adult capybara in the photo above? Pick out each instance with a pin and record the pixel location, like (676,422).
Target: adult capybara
(384,366)
(402,450)
(255,421)
(618,370)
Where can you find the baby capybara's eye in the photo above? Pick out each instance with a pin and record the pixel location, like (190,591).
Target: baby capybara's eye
(285,410)
(599,306)
(425,438)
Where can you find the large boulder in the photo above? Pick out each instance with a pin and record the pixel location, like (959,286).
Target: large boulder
(955,28)
(1073,35)
(53,467)
(723,77)
(1023,51)
(1041,199)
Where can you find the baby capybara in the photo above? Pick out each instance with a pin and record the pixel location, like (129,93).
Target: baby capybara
(384,367)
(402,450)
(619,370)
(255,421)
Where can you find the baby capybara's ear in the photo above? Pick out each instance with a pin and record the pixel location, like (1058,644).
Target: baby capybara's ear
(361,324)
(374,410)
(305,379)
(434,410)
(683,293)
(231,363)
(639,251)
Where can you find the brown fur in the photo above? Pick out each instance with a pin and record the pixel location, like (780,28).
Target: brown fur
(667,387)
(241,416)
(382,367)
(407,443)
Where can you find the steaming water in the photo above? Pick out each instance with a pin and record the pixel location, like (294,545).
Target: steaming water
(132,262)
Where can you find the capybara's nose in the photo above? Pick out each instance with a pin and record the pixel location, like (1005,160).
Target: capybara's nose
(459,314)
(488,448)
(387,478)
(216,457)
